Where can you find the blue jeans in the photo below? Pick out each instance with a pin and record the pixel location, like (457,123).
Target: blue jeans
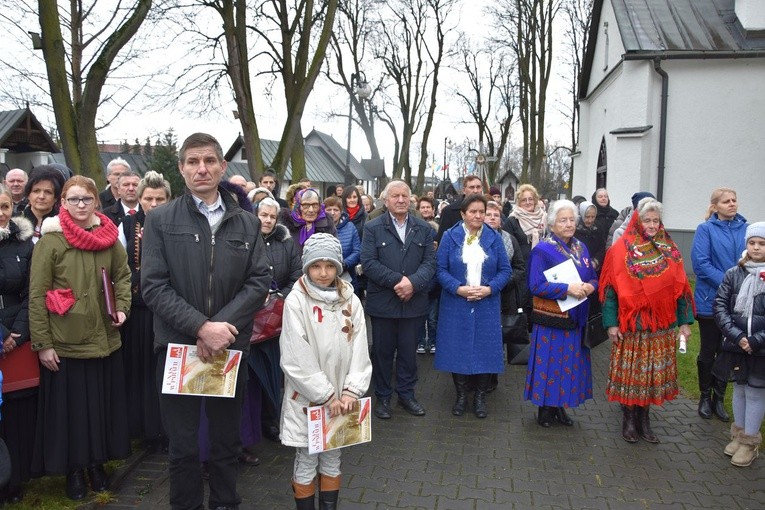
(431,321)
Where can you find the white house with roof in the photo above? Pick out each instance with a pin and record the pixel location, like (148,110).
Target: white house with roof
(673,102)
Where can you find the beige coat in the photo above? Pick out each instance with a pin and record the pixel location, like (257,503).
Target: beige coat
(324,354)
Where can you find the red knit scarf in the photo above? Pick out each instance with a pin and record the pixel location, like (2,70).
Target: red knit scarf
(100,238)
(648,277)
(353,211)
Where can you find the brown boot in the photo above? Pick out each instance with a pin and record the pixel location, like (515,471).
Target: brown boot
(304,495)
(644,425)
(748,450)
(629,429)
(329,489)
(735,434)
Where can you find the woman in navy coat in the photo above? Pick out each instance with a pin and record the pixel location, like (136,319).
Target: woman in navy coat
(472,269)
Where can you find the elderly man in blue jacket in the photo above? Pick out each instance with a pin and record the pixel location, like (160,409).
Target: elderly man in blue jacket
(398,259)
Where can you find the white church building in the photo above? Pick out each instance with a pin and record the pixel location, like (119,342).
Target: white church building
(673,102)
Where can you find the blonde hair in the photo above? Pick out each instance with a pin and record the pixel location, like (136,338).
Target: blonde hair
(523,188)
(717,195)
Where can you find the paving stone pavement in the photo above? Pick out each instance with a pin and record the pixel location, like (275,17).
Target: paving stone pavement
(506,461)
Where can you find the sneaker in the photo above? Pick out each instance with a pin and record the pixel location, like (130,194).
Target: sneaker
(420,349)
(432,349)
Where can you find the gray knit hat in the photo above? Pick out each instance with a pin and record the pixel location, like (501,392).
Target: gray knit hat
(756,230)
(321,246)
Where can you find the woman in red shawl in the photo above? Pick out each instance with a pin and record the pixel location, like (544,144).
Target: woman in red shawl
(645,295)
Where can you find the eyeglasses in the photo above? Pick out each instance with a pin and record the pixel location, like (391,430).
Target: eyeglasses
(77,200)
(310,206)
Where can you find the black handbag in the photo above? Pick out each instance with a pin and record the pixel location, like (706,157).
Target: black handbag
(515,327)
(594,334)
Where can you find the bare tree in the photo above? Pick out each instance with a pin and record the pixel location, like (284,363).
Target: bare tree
(348,50)
(526,26)
(577,16)
(82,44)
(490,100)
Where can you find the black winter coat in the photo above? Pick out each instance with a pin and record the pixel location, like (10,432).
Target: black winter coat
(386,260)
(283,259)
(595,242)
(733,325)
(516,293)
(513,227)
(189,276)
(15,259)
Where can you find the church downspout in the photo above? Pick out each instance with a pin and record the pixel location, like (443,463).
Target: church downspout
(662,128)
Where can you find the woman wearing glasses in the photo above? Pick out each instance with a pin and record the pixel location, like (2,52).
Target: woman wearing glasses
(82,418)
(306,218)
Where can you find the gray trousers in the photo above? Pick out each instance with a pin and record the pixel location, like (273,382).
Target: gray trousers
(308,465)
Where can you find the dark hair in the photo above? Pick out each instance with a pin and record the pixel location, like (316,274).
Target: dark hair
(348,191)
(469,199)
(45,173)
(200,140)
(469,178)
(267,173)
(428,200)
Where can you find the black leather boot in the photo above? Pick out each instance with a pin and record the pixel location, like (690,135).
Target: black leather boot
(304,495)
(562,417)
(479,399)
(718,399)
(629,429)
(75,484)
(460,385)
(644,425)
(545,416)
(705,387)
(329,489)
(98,478)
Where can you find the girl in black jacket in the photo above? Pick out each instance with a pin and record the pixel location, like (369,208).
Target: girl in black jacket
(739,310)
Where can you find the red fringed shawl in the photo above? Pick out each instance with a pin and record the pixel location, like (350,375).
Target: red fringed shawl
(648,277)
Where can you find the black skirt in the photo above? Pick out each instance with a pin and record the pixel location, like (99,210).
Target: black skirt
(17,428)
(81,415)
(140,375)
(740,368)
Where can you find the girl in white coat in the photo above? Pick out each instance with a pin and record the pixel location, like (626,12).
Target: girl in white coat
(325,360)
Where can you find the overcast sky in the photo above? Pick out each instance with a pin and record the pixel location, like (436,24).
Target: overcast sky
(141,118)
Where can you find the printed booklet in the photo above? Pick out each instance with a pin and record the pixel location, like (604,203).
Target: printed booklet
(186,374)
(325,433)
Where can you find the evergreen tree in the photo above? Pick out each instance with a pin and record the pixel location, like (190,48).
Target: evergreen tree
(165,161)
(125,147)
(136,147)
(147,150)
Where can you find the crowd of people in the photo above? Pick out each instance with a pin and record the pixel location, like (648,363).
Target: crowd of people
(95,285)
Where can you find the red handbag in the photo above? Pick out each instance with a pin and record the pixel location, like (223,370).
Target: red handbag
(21,368)
(267,322)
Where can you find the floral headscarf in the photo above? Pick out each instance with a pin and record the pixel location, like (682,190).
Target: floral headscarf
(297,215)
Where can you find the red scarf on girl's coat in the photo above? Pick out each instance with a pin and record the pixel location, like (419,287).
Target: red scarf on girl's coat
(99,238)
(648,277)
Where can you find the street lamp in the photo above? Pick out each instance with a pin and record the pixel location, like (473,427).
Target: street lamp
(361,88)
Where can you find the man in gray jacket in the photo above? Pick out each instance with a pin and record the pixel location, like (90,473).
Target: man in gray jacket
(203,275)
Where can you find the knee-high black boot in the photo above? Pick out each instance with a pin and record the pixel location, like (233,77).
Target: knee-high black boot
(479,399)
(718,399)
(460,385)
(705,387)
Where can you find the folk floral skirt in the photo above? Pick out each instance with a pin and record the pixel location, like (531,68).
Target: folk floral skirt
(643,368)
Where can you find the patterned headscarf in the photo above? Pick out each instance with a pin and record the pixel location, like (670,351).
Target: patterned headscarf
(648,277)
(297,214)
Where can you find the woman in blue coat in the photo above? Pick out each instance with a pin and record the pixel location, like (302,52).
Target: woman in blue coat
(472,269)
(717,246)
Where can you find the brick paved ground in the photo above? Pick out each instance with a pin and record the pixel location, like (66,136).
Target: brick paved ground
(441,462)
